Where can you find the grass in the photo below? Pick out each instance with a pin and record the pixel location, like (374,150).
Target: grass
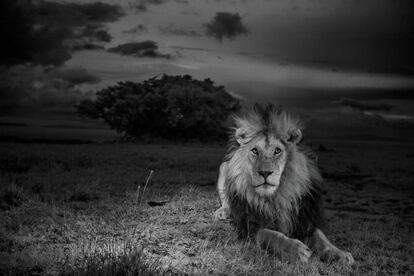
(71,210)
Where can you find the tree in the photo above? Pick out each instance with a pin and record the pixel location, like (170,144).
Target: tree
(172,107)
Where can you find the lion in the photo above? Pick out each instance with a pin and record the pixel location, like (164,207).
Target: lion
(271,187)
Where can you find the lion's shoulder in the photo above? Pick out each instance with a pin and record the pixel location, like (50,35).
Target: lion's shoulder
(310,213)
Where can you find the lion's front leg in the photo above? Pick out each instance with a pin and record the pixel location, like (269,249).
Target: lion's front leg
(223,212)
(290,249)
(328,251)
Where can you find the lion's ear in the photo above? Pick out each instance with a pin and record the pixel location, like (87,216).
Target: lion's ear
(242,136)
(295,136)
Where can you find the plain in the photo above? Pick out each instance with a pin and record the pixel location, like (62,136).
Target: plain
(83,209)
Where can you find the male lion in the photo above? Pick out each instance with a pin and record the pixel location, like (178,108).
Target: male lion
(270,187)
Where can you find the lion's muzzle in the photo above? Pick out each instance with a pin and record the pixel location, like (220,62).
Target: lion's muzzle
(265,174)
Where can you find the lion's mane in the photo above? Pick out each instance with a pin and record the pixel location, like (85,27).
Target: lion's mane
(295,208)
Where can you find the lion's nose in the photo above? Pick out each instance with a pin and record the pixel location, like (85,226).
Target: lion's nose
(265,174)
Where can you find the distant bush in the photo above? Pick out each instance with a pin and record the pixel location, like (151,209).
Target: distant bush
(172,107)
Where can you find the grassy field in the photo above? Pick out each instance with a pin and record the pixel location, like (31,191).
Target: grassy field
(73,209)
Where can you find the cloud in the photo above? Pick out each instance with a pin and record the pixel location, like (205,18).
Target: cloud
(153,2)
(364,105)
(73,14)
(138,29)
(192,12)
(74,75)
(43,32)
(191,48)
(172,29)
(95,32)
(83,44)
(97,11)
(89,37)
(26,89)
(225,24)
(160,2)
(146,48)
(138,7)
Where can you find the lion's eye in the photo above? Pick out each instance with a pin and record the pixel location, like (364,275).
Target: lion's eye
(277,151)
(255,151)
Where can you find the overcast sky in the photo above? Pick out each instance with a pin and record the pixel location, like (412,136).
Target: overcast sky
(286,51)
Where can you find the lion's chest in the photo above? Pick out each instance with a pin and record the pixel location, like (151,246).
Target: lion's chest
(249,219)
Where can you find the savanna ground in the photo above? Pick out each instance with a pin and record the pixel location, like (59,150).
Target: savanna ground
(73,209)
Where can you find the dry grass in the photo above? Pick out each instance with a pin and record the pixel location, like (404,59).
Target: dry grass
(70,209)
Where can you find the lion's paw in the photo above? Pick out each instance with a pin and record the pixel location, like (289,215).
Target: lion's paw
(335,254)
(297,250)
(222,213)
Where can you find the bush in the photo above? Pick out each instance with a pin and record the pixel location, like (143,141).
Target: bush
(172,107)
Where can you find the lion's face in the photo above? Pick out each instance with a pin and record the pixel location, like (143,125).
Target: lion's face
(264,142)
(267,158)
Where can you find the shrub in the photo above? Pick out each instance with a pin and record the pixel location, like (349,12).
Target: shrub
(173,107)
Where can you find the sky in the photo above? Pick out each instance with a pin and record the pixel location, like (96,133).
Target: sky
(319,55)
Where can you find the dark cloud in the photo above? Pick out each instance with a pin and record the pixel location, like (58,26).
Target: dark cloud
(26,89)
(97,11)
(364,105)
(172,29)
(74,75)
(75,14)
(147,48)
(153,2)
(225,24)
(191,48)
(41,32)
(83,44)
(141,5)
(96,32)
(138,29)
(89,37)
(27,39)
(158,2)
